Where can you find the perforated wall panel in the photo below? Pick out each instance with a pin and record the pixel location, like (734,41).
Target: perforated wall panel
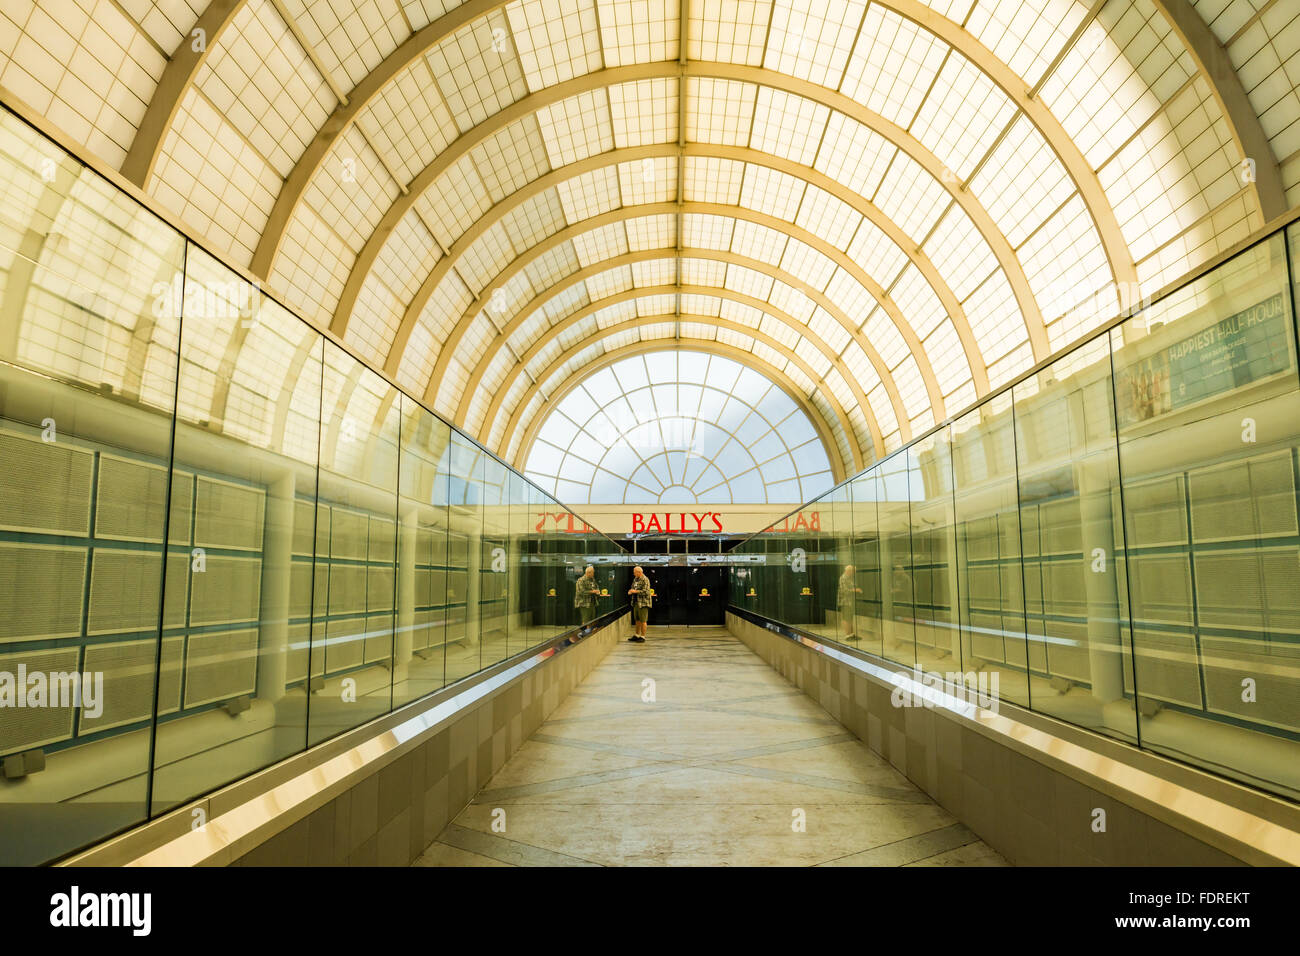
(1229,589)
(128,668)
(228,515)
(383,540)
(22,728)
(46,485)
(124,590)
(1162,588)
(347,589)
(130,497)
(1274,666)
(1272,486)
(1157,512)
(348,534)
(1063,591)
(41,590)
(220,665)
(379,638)
(228,592)
(1166,667)
(344,644)
(379,588)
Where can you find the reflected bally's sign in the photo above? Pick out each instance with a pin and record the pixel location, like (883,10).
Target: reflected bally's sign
(563,522)
(802,521)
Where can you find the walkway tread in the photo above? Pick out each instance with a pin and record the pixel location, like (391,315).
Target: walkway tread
(714,770)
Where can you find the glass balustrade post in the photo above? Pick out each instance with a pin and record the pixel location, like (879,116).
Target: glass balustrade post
(277,568)
(408,530)
(1105,640)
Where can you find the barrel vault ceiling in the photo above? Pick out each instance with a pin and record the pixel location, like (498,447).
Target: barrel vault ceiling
(889,207)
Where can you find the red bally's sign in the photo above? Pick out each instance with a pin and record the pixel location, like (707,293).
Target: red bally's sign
(708,523)
(811,521)
(563,522)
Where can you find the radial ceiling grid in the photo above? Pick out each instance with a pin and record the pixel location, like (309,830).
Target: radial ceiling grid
(933,192)
(677,428)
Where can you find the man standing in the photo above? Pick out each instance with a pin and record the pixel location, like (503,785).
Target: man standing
(587,594)
(847,602)
(640,594)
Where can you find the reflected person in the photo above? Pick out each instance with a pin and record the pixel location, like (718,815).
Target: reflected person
(586,595)
(847,602)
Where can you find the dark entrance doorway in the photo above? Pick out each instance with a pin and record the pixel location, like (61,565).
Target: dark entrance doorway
(688,596)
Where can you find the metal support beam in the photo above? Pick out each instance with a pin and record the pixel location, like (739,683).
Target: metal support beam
(631,295)
(649,255)
(178,76)
(1247,132)
(715,209)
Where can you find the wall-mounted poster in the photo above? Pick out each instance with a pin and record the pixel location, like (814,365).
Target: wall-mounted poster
(1238,350)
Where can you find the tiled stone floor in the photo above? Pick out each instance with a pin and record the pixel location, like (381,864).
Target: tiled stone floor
(710,772)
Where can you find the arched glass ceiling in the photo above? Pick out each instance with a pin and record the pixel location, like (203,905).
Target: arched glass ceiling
(678,427)
(888,207)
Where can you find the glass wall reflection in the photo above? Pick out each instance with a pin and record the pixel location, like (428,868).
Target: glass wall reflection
(311,550)
(89,340)
(1112,541)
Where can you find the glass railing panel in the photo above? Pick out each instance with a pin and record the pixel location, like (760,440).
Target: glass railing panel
(933,555)
(310,554)
(546,572)
(1208,404)
(494,562)
(354,627)
(840,580)
(89,328)
(584,600)
(422,603)
(1076,607)
(523,631)
(869,622)
(894,522)
(771,584)
(550,610)
(464,547)
(990,577)
(823,570)
(746,575)
(240,573)
(1167,598)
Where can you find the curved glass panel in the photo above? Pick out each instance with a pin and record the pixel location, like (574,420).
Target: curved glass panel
(678,428)
(1111,541)
(312,548)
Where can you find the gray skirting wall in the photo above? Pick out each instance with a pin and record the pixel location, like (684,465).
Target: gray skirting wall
(1035,808)
(390,817)
(379,795)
